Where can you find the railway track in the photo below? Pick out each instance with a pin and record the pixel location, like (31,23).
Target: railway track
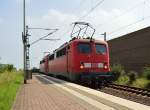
(138,95)
(138,91)
(130,93)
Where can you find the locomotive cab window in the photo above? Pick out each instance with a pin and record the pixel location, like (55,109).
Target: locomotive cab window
(100,49)
(84,48)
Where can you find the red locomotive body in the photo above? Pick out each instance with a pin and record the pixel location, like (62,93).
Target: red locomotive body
(42,66)
(80,59)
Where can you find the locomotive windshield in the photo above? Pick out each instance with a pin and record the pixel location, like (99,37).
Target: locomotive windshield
(84,48)
(100,49)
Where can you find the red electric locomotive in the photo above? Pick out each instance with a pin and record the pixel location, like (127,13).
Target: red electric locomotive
(42,66)
(81,59)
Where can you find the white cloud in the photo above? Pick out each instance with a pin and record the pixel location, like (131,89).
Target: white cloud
(52,19)
(108,21)
(57,19)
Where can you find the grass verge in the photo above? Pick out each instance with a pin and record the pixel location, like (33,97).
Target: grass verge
(9,85)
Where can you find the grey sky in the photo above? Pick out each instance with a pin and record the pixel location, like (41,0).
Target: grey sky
(60,14)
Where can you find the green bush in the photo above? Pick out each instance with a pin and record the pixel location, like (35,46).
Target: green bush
(146,73)
(132,76)
(123,80)
(6,67)
(117,70)
(141,83)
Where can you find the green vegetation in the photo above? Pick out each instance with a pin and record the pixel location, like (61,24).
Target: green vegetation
(146,73)
(117,71)
(131,78)
(141,83)
(10,81)
(123,80)
(6,67)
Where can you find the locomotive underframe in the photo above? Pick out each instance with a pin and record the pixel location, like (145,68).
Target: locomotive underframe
(91,79)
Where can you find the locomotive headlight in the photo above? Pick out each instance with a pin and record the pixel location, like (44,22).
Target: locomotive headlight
(105,66)
(82,65)
(85,65)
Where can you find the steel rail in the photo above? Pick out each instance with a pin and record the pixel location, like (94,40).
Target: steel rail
(140,91)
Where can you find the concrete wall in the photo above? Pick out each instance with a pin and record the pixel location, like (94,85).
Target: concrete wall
(131,50)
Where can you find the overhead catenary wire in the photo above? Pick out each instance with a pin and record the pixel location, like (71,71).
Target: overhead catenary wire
(67,31)
(41,29)
(44,37)
(129,10)
(116,17)
(133,23)
(91,10)
(52,39)
(123,27)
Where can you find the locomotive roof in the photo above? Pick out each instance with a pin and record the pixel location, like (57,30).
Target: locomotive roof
(80,40)
(88,40)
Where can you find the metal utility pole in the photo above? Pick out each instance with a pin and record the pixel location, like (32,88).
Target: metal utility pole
(26,46)
(28,73)
(104,34)
(24,41)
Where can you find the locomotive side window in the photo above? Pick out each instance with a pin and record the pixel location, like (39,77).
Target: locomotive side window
(100,49)
(61,52)
(68,47)
(84,48)
(51,57)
